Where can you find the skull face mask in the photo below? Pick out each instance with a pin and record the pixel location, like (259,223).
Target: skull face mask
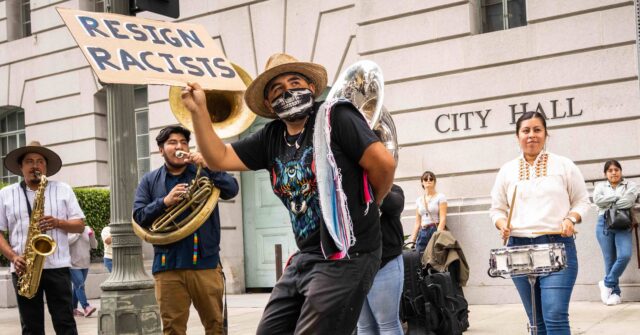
(293,104)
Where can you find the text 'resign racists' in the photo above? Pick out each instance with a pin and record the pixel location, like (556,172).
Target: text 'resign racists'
(129,50)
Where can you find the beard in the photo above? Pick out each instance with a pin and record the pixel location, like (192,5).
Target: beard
(32,177)
(167,160)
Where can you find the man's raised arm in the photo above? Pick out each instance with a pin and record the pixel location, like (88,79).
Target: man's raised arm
(218,155)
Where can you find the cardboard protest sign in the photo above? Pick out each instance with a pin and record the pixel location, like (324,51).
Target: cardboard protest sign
(128,50)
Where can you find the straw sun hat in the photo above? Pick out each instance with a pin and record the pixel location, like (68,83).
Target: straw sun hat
(276,65)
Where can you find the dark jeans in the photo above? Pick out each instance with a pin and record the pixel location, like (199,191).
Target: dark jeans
(56,285)
(108,263)
(319,296)
(553,291)
(424,235)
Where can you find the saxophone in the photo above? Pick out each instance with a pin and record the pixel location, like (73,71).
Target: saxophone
(38,246)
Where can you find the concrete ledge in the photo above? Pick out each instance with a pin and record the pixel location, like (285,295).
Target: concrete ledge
(97,275)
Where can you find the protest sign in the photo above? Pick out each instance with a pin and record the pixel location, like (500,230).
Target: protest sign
(129,50)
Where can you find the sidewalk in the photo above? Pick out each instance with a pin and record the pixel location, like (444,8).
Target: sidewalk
(590,318)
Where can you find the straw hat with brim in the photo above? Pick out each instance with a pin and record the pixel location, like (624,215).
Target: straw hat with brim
(276,65)
(13,159)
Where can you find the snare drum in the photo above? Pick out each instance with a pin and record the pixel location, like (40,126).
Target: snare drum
(536,259)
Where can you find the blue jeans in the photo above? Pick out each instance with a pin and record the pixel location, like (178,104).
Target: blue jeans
(108,263)
(616,250)
(553,291)
(380,310)
(78,276)
(424,235)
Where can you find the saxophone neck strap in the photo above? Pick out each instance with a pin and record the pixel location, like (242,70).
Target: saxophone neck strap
(23,185)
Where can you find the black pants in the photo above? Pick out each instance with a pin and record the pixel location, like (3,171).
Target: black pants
(318,296)
(56,285)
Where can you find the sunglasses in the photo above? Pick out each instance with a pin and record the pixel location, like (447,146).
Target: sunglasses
(429,178)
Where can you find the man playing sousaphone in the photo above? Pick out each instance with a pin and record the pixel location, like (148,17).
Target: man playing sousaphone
(20,204)
(323,288)
(188,270)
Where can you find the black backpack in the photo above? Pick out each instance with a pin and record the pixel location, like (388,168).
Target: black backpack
(412,303)
(446,310)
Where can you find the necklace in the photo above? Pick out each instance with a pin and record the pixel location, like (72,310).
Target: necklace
(286,141)
(540,167)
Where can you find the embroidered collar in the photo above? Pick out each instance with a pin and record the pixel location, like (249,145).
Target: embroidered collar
(539,165)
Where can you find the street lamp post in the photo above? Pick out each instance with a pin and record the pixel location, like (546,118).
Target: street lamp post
(128,303)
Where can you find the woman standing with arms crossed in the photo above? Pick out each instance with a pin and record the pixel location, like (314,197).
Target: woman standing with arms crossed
(431,212)
(551,198)
(615,244)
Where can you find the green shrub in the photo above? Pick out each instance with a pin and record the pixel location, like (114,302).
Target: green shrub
(96,207)
(94,202)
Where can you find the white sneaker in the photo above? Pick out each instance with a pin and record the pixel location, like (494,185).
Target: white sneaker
(605,292)
(614,299)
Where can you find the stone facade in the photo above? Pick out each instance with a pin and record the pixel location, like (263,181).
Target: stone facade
(453,91)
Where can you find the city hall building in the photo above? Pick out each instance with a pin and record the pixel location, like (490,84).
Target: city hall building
(457,75)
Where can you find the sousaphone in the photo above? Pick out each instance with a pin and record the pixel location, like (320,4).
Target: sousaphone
(229,116)
(362,83)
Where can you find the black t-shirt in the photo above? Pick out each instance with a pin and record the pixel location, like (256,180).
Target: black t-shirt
(293,176)
(390,224)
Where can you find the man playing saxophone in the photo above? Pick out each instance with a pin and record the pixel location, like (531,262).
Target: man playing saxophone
(61,215)
(187,270)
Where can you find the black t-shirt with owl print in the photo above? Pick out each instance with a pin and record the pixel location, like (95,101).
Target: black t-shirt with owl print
(290,162)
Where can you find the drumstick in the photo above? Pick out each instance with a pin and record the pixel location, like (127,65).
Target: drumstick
(513,204)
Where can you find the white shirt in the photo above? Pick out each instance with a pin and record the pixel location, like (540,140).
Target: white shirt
(59,202)
(432,215)
(541,202)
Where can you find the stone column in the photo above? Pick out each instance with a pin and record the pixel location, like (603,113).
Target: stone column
(128,302)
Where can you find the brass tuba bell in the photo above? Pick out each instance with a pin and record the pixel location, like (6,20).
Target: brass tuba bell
(362,84)
(229,115)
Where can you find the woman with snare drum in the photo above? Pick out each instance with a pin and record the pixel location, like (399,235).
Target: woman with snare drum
(431,212)
(551,197)
(615,244)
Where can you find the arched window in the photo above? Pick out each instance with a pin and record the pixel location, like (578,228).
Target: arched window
(11,137)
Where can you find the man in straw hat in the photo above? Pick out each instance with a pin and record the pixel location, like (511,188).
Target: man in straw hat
(62,215)
(325,283)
